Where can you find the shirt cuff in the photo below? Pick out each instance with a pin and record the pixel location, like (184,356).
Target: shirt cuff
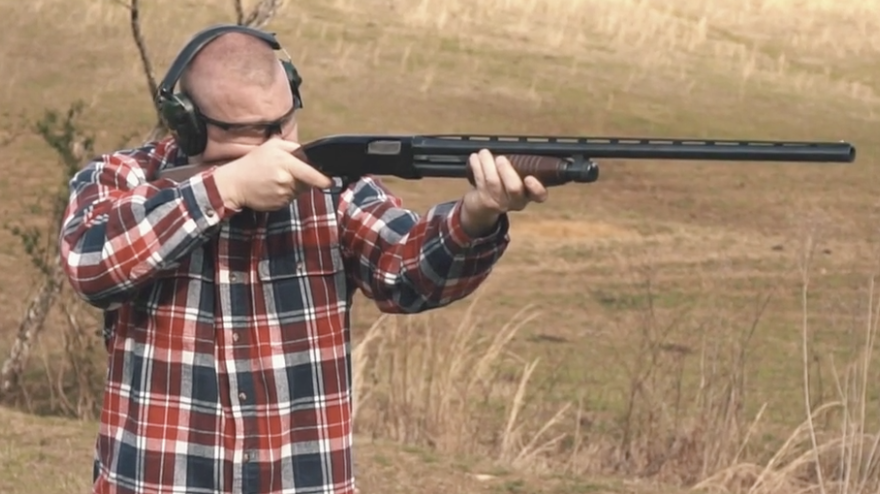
(498,235)
(204,200)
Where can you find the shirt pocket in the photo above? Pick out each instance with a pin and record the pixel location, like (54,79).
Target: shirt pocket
(302,245)
(175,310)
(306,299)
(302,278)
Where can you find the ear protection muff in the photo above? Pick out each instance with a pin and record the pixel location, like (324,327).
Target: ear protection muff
(180,114)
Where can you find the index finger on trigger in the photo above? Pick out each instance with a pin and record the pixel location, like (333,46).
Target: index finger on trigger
(305,172)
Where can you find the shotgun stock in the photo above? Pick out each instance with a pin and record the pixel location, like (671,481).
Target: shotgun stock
(552,160)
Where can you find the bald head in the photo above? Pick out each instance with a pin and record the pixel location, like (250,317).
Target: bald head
(237,79)
(229,69)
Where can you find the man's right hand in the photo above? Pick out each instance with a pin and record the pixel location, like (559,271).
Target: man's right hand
(267,178)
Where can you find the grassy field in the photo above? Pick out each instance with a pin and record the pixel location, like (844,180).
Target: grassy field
(670,324)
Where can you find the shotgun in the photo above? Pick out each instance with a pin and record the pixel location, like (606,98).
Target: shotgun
(552,160)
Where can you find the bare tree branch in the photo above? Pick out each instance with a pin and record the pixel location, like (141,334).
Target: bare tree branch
(135,22)
(28,329)
(133,7)
(11,133)
(8,137)
(159,129)
(73,148)
(239,12)
(261,14)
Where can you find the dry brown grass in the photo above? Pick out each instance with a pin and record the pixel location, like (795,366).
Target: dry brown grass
(842,455)
(430,383)
(647,326)
(805,47)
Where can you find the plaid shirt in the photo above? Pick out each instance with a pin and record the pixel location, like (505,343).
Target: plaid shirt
(228,334)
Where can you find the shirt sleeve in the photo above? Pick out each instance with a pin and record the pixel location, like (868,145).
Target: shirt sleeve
(119,229)
(407,263)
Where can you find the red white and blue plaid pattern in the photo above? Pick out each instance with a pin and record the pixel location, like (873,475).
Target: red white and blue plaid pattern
(228,334)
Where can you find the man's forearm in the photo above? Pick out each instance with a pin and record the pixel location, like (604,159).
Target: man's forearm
(113,240)
(407,263)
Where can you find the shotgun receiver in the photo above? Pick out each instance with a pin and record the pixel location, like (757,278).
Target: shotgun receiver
(552,160)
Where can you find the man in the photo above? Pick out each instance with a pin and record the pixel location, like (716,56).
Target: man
(227,293)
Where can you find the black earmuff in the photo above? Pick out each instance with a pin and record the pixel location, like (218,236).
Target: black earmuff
(179,113)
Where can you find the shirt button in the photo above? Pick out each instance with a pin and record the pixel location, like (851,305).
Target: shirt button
(247,457)
(235,337)
(210,213)
(242,396)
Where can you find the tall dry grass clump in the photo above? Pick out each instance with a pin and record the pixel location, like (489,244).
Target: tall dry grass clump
(457,388)
(685,419)
(685,404)
(836,449)
(451,387)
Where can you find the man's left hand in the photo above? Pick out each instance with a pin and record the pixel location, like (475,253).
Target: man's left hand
(498,189)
